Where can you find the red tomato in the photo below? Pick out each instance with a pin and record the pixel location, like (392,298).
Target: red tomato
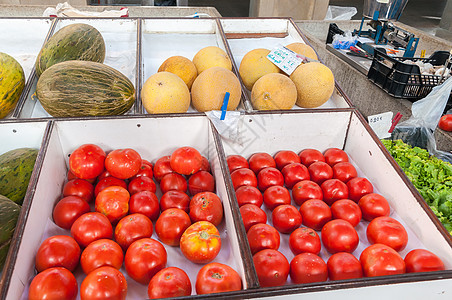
(173,182)
(333,190)
(304,239)
(373,206)
(101,253)
(261,160)
(252,215)
(162,167)
(421,260)
(286,157)
(144,258)
(102,175)
(169,282)
(334,156)
(53,284)
(380,260)
(174,199)
(236,162)
(272,267)
(201,242)
(87,161)
(140,184)
(68,210)
(71,176)
(205,165)
(276,195)
(186,160)
(445,123)
(315,213)
(263,236)
(58,251)
(91,227)
(132,228)
(286,218)
(217,278)
(243,177)
(249,195)
(309,156)
(80,188)
(344,171)
(108,181)
(146,162)
(170,226)
(358,187)
(268,177)
(387,231)
(307,268)
(294,173)
(201,181)
(206,206)
(320,171)
(343,265)
(145,203)
(113,202)
(347,210)
(339,236)
(104,283)
(145,170)
(306,190)
(123,163)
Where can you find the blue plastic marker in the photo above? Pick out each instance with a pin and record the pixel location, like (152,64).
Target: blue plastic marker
(224,107)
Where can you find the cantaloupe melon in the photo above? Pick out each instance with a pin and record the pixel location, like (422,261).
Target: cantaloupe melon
(273,91)
(182,67)
(254,65)
(211,56)
(303,49)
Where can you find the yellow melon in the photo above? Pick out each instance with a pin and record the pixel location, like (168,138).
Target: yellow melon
(210,86)
(182,67)
(211,56)
(273,91)
(315,84)
(254,65)
(165,92)
(303,49)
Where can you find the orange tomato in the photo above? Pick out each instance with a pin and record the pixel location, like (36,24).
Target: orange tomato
(201,242)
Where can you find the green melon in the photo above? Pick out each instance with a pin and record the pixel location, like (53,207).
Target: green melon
(12,83)
(9,213)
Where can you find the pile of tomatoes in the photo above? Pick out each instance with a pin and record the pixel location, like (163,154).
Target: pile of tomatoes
(330,200)
(109,205)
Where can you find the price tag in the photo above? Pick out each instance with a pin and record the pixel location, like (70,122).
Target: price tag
(285,59)
(381,123)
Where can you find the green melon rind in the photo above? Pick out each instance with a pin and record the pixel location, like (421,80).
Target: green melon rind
(3,253)
(12,83)
(9,213)
(72,42)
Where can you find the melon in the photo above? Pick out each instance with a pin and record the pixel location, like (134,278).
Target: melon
(211,56)
(210,87)
(165,92)
(303,49)
(182,67)
(273,91)
(254,65)
(12,83)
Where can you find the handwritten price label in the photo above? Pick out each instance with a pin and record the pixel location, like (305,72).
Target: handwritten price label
(285,59)
(381,123)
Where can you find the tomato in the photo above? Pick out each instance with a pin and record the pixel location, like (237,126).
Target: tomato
(358,187)
(310,156)
(306,190)
(307,268)
(334,156)
(252,215)
(71,176)
(243,177)
(53,284)
(173,182)
(171,225)
(286,218)
(108,181)
(80,188)
(343,265)
(373,206)
(68,210)
(347,210)
(421,260)
(217,278)
(144,258)
(263,236)
(272,267)
(294,173)
(186,160)
(205,165)
(58,251)
(304,239)
(320,171)
(146,162)
(113,202)
(201,181)
(344,171)
(236,162)
(162,167)
(315,213)
(445,123)
(174,199)
(206,206)
(102,175)
(90,227)
(123,163)
(131,228)
(249,195)
(339,236)
(101,253)
(286,157)
(200,243)
(261,160)
(104,283)
(268,177)
(276,195)
(140,184)
(87,161)
(169,282)
(333,190)
(145,203)
(380,260)
(145,170)
(387,231)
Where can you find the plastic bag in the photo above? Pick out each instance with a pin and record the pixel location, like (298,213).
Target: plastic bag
(344,41)
(340,13)
(66,10)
